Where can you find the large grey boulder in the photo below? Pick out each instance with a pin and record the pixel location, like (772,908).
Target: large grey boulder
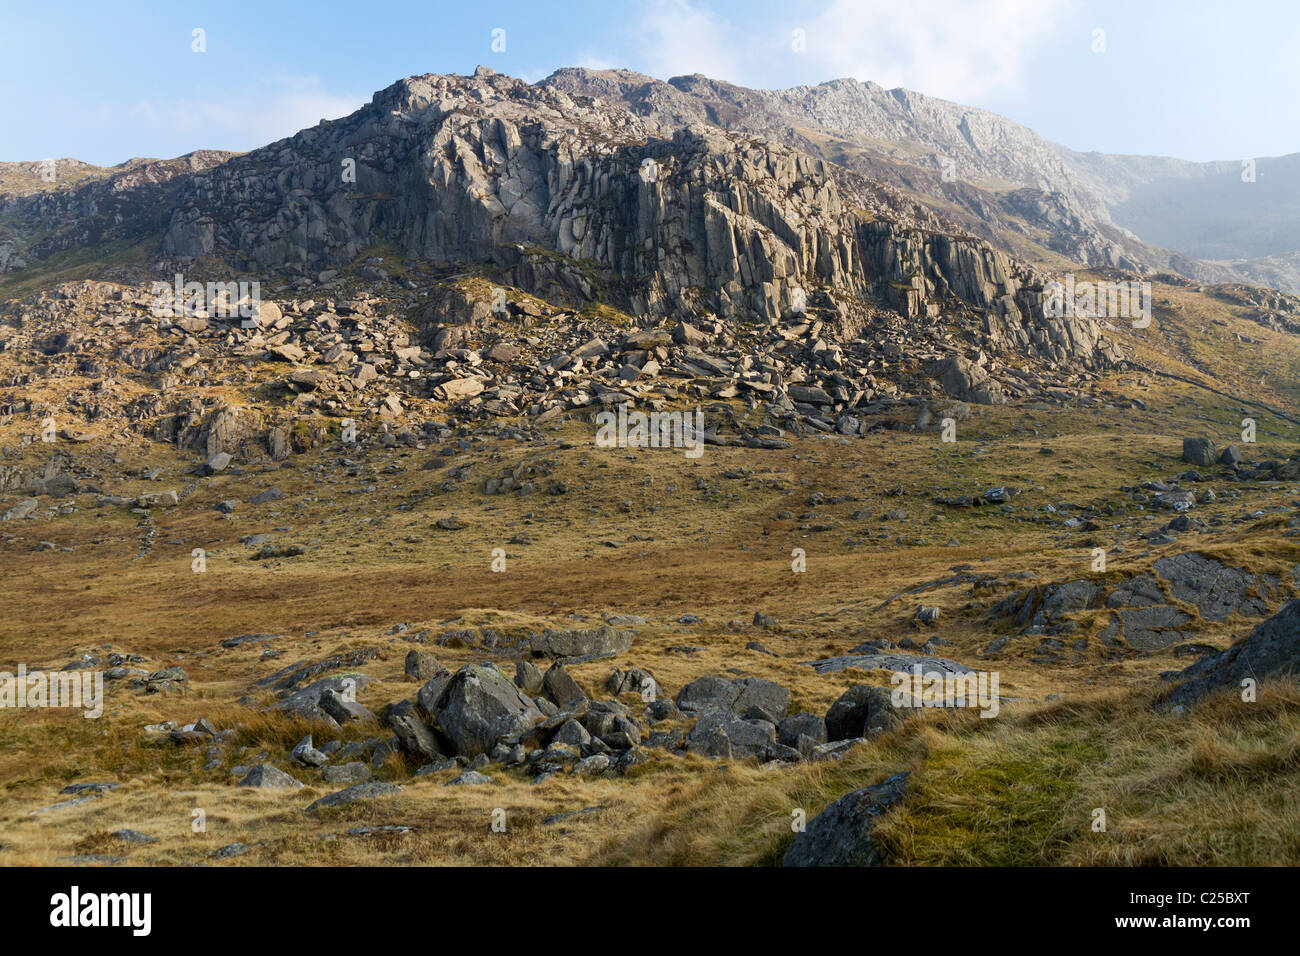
(57,486)
(417,738)
(527,677)
(861,711)
(306,702)
(422,666)
(343,710)
(306,754)
(480,705)
(747,738)
(841,835)
(736,695)
(348,773)
(355,794)
(1272,649)
(791,728)
(426,699)
(1199,451)
(968,382)
(558,684)
(582,642)
(267,777)
(218,462)
(21,510)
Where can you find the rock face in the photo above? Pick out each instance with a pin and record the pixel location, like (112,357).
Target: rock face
(121,202)
(1070,197)
(486,169)
(1272,649)
(1142,610)
(841,834)
(755,269)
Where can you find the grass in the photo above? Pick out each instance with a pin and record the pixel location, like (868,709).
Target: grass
(70,265)
(710,537)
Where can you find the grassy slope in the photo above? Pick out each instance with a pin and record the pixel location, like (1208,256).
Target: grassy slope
(1216,787)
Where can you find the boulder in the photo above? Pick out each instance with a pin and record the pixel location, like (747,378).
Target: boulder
(1272,649)
(218,462)
(1199,451)
(745,737)
(1231,456)
(479,706)
(307,755)
(343,710)
(267,777)
(417,738)
(861,711)
(528,678)
(346,774)
(791,728)
(841,835)
(968,382)
(457,389)
(355,794)
(23,509)
(735,695)
(582,642)
(422,666)
(560,687)
(306,702)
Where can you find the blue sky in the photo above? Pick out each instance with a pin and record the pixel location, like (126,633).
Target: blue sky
(106,81)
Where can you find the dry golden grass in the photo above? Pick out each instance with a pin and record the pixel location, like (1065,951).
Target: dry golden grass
(1215,786)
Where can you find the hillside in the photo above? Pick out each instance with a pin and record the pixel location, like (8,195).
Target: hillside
(358,532)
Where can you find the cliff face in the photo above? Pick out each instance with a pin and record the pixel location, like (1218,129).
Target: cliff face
(84,205)
(580,198)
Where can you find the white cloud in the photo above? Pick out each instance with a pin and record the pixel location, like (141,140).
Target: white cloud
(675,38)
(958,49)
(246,117)
(592,61)
(948,48)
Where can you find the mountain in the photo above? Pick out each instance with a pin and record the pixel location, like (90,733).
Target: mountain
(544,449)
(1095,209)
(932,160)
(56,206)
